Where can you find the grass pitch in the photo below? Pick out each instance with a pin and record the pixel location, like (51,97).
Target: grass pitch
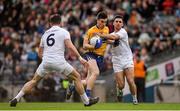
(99,106)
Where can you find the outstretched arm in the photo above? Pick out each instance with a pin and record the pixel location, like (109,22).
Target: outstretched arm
(72,48)
(40,52)
(109,36)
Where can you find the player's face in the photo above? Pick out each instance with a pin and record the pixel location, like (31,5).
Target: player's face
(118,23)
(101,23)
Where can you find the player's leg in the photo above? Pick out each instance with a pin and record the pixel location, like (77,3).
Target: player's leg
(93,73)
(119,76)
(84,82)
(26,89)
(120,82)
(70,89)
(129,72)
(75,76)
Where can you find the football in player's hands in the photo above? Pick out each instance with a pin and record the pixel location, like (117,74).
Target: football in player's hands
(96,41)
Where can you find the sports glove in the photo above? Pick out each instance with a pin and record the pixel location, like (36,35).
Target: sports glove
(116,43)
(98,43)
(104,40)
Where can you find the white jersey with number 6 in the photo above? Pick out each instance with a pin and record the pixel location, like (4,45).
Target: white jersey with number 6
(53,44)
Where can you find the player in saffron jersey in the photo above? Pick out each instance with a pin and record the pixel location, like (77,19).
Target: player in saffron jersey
(52,47)
(94,54)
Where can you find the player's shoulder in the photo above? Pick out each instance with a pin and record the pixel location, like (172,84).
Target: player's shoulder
(61,30)
(123,31)
(56,29)
(92,28)
(106,28)
(64,30)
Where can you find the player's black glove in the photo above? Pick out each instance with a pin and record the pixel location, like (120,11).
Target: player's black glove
(104,40)
(116,43)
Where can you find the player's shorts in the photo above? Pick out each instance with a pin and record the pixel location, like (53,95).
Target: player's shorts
(120,63)
(99,59)
(48,67)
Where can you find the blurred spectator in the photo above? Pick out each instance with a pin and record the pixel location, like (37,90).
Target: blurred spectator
(8,67)
(168,6)
(16,53)
(134,19)
(144,56)
(3,93)
(48,88)
(32,55)
(18,76)
(144,39)
(140,75)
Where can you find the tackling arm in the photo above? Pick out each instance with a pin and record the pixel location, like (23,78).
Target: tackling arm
(40,52)
(109,36)
(70,46)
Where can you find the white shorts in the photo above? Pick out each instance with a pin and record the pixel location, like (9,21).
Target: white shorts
(120,63)
(60,67)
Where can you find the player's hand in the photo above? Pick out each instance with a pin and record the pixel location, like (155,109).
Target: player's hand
(98,34)
(116,43)
(83,62)
(98,44)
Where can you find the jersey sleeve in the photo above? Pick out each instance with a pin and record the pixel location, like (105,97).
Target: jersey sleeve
(87,35)
(67,35)
(122,34)
(107,30)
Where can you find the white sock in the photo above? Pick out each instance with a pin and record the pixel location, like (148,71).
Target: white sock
(84,98)
(19,95)
(134,97)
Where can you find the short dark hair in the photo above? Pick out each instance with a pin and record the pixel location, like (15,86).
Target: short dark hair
(117,16)
(55,19)
(102,15)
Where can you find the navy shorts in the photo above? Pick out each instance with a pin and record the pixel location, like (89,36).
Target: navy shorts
(99,59)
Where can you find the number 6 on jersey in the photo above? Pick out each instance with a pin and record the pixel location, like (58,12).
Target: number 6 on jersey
(50,41)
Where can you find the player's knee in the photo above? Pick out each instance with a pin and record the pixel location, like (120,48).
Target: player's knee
(121,84)
(84,82)
(131,81)
(95,73)
(77,77)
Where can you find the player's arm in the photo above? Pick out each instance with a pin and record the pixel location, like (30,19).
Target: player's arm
(109,41)
(113,38)
(40,52)
(86,44)
(72,48)
(109,36)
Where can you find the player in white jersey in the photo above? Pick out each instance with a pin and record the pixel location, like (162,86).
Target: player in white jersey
(122,57)
(51,50)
